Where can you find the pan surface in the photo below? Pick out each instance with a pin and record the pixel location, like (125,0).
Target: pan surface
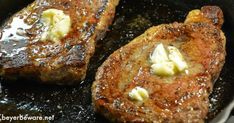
(133,17)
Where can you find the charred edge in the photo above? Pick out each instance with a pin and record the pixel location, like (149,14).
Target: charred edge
(213,13)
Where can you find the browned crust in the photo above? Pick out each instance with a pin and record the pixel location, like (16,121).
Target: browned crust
(64,63)
(185,99)
(208,14)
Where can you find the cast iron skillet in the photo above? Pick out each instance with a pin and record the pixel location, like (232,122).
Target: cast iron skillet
(133,17)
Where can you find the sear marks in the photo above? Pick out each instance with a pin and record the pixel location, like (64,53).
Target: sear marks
(179,98)
(23,54)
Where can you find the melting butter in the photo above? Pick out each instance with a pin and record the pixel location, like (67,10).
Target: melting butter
(138,94)
(167,62)
(176,57)
(57,25)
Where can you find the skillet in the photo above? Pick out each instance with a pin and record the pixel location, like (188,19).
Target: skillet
(133,17)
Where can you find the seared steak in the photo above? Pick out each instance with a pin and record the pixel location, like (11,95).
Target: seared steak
(182,97)
(63,60)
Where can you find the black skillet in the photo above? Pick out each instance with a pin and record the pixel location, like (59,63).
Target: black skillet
(133,17)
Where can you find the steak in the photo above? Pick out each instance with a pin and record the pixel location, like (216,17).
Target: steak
(24,56)
(178,98)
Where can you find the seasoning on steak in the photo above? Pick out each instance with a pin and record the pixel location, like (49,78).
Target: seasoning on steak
(25,56)
(182,97)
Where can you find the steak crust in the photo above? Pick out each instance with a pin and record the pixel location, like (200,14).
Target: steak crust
(24,57)
(180,98)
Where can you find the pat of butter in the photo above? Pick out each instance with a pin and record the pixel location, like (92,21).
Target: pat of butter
(164,69)
(167,62)
(57,24)
(138,94)
(176,57)
(159,55)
